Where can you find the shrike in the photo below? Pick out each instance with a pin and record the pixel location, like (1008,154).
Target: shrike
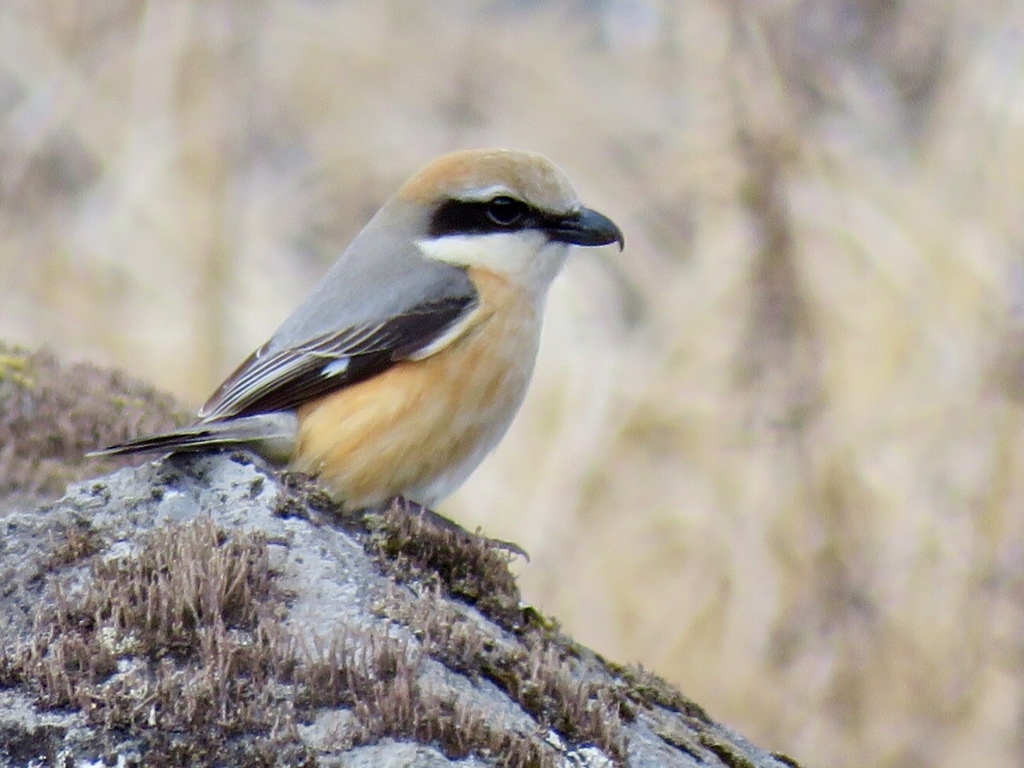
(406,364)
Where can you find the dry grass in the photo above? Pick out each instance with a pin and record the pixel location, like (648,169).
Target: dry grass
(182,637)
(182,644)
(773,451)
(52,414)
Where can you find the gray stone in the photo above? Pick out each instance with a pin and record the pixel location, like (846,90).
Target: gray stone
(438,675)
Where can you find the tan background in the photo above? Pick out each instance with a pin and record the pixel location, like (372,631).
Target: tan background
(773,451)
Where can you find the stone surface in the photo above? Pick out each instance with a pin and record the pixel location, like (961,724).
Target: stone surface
(207,611)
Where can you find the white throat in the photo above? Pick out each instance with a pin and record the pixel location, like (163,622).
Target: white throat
(526,256)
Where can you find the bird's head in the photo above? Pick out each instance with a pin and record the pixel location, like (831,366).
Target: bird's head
(508,212)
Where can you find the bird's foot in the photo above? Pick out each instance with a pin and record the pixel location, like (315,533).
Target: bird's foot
(429,517)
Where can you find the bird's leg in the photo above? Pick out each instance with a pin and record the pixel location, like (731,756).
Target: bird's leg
(440,522)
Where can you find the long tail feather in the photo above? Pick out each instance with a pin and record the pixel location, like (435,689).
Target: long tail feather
(272,434)
(184,440)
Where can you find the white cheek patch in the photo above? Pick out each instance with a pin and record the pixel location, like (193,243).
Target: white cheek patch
(336,367)
(511,253)
(526,256)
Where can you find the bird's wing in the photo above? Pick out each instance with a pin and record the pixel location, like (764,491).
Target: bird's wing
(380,301)
(277,379)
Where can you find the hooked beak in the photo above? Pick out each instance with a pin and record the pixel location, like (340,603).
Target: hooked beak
(586,227)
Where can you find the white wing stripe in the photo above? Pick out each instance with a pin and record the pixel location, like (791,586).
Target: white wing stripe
(336,368)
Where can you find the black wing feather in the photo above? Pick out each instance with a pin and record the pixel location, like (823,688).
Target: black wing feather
(284,379)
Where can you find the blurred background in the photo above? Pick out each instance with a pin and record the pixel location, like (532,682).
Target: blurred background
(774,451)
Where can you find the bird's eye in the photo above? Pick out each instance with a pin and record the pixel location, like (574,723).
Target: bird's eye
(505,211)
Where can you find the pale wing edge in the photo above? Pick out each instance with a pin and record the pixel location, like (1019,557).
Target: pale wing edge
(286,378)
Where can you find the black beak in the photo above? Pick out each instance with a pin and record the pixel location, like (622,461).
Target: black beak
(586,227)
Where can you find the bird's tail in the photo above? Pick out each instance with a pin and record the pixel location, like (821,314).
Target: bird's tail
(270,434)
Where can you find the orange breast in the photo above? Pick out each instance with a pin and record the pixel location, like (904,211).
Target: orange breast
(421,427)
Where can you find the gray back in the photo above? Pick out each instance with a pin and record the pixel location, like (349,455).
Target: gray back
(381,274)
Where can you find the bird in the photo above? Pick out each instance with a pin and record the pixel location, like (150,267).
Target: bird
(407,362)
